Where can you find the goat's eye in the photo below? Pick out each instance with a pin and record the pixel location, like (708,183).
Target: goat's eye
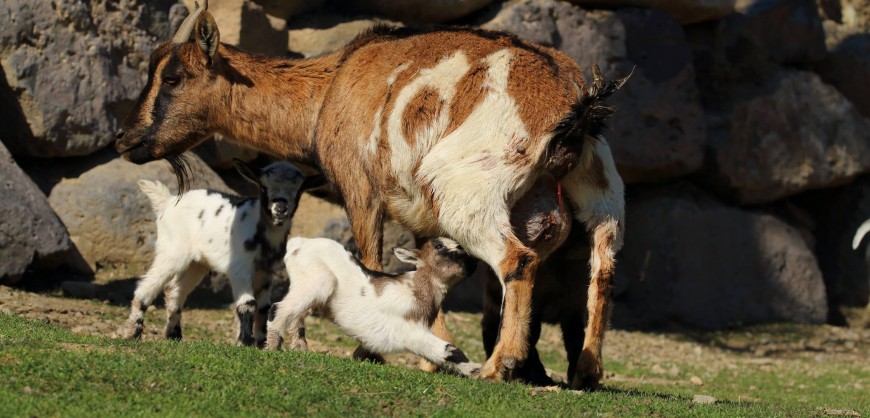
(171,80)
(439,247)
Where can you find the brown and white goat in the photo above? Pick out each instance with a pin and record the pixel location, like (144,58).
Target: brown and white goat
(385,312)
(444,130)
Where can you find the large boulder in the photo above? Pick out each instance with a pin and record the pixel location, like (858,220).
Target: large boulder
(315,34)
(684,11)
(71,70)
(659,130)
(847,38)
(693,261)
(420,11)
(108,217)
(799,37)
(797,134)
(32,238)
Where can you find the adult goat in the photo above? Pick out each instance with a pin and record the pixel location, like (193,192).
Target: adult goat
(444,130)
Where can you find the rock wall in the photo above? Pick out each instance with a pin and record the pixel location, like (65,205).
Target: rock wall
(746,149)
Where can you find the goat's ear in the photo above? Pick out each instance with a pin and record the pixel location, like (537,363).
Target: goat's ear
(248,172)
(407,256)
(207,36)
(312,182)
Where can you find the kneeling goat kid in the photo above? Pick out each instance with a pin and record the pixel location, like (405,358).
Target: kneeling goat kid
(385,312)
(242,238)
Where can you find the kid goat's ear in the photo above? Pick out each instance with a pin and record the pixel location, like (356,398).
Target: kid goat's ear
(407,256)
(248,172)
(207,36)
(314,181)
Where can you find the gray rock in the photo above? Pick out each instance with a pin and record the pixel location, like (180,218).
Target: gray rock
(659,129)
(847,63)
(684,11)
(797,134)
(798,38)
(31,235)
(420,11)
(108,217)
(691,260)
(71,70)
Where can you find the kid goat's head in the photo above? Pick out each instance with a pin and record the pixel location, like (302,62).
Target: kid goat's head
(281,185)
(443,256)
(170,115)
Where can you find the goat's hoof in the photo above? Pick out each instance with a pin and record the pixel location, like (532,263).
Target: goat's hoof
(492,370)
(588,374)
(427,366)
(511,363)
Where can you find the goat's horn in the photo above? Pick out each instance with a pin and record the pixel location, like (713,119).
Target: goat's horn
(597,79)
(186,28)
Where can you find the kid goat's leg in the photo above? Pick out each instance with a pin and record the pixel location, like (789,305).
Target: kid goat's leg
(292,310)
(441,353)
(241,279)
(175,295)
(162,270)
(263,295)
(596,192)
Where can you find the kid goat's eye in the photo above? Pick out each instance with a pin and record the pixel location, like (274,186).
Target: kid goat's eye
(439,247)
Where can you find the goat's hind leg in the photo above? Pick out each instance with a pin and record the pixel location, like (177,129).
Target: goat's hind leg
(176,292)
(289,315)
(596,192)
(162,270)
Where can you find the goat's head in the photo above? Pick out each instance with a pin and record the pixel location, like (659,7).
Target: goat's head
(281,185)
(172,112)
(446,258)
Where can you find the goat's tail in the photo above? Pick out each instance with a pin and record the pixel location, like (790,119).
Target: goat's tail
(587,119)
(157,193)
(859,234)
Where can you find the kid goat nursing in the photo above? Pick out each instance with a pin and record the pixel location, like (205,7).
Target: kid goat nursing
(242,238)
(385,312)
(445,131)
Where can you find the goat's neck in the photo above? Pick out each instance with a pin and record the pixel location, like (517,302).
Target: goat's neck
(271,104)
(424,275)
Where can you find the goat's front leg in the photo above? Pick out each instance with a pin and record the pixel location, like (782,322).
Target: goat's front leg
(367,225)
(241,280)
(441,353)
(263,295)
(517,274)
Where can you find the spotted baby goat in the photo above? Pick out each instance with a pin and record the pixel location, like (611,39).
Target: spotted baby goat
(242,238)
(385,312)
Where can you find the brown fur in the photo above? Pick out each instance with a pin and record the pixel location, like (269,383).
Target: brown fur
(421,112)
(469,93)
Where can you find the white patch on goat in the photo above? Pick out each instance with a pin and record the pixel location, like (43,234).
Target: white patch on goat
(592,205)
(375,137)
(469,171)
(443,77)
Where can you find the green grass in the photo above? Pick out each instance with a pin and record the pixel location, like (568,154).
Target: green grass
(48,371)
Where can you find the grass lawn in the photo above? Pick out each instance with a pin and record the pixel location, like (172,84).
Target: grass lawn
(46,370)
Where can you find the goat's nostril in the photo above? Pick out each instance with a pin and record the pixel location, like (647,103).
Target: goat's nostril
(119,134)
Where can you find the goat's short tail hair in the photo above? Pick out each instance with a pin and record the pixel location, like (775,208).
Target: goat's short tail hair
(157,193)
